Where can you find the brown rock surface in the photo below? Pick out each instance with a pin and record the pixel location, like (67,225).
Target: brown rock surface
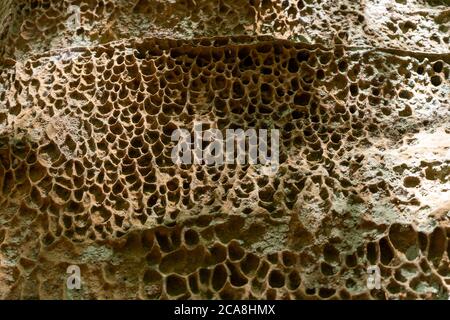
(358,89)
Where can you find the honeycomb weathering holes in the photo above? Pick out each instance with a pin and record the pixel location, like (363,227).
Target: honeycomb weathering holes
(85,151)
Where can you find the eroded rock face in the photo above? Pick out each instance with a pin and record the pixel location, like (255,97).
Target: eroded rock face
(359,91)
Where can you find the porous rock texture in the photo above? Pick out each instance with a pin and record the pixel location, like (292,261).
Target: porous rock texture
(359,90)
